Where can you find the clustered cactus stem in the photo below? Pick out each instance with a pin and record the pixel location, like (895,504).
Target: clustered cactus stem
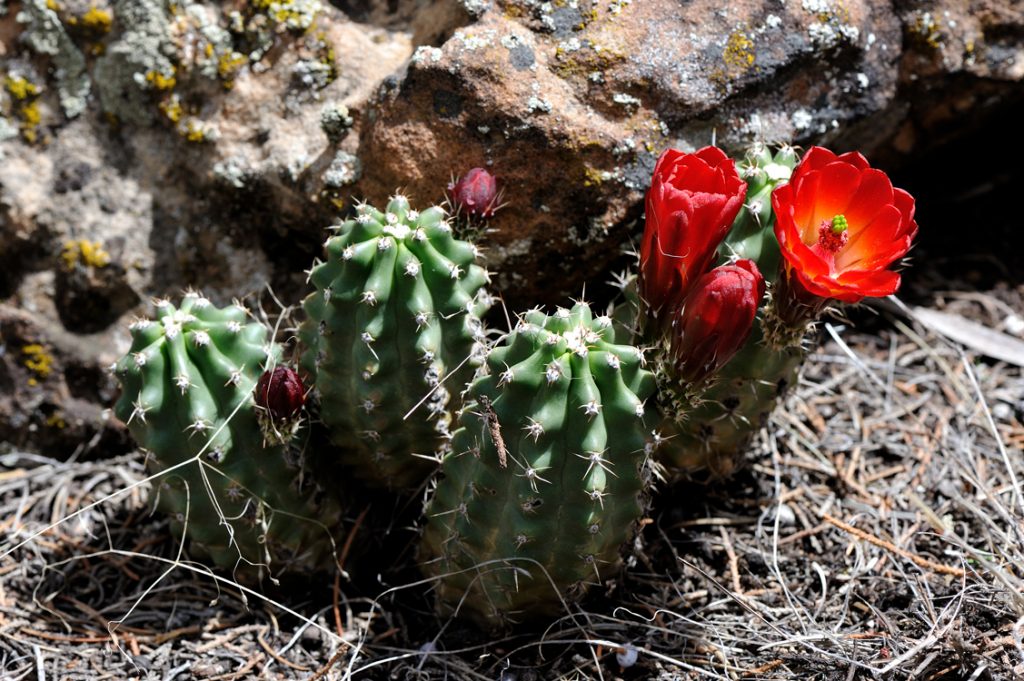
(543,485)
(543,481)
(187,397)
(822,231)
(393,332)
(708,424)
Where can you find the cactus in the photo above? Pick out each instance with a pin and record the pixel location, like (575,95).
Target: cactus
(707,436)
(187,397)
(751,235)
(707,439)
(543,484)
(394,321)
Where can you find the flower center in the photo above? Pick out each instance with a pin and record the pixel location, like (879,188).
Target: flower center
(833,234)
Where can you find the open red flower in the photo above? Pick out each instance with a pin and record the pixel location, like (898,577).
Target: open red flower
(840,224)
(717,318)
(691,205)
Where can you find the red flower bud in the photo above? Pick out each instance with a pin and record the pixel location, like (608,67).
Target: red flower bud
(476,193)
(840,224)
(280,392)
(717,318)
(691,205)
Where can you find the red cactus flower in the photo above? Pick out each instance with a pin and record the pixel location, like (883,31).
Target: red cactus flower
(280,392)
(717,318)
(476,193)
(840,224)
(691,205)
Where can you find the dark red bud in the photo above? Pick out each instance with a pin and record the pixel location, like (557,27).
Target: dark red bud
(716,319)
(280,392)
(476,193)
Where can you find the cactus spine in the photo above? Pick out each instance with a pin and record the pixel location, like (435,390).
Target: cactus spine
(396,310)
(187,386)
(707,436)
(543,484)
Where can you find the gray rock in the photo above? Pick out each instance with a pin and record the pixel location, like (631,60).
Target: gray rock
(204,146)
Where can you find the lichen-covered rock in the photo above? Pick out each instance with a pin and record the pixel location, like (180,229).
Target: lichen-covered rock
(52,389)
(204,142)
(570,103)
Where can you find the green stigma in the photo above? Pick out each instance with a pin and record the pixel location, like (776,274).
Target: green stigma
(839,224)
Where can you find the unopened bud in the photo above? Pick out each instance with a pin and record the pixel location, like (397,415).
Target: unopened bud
(716,320)
(280,392)
(475,193)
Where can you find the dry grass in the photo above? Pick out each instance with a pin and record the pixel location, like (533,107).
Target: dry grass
(877,535)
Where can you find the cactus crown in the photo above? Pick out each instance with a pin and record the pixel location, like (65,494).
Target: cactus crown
(188,399)
(752,235)
(194,361)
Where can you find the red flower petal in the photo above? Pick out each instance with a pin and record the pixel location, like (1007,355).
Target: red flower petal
(905,203)
(875,245)
(838,182)
(713,156)
(874,193)
(873,284)
(880,226)
(690,207)
(717,318)
(815,158)
(856,159)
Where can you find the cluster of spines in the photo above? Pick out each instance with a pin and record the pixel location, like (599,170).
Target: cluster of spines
(752,235)
(395,321)
(187,399)
(544,482)
(705,437)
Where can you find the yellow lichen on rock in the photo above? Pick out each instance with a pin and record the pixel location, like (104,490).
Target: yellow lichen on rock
(24,95)
(84,252)
(194,131)
(739,53)
(98,20)
(171,108)
(295,14)
(37,360)
(159,81)
(20,88)
(228,65)
(56,420)
(95,20)
(925,31)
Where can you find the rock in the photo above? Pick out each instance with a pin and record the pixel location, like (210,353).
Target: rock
(52,392)
(208,144)
(92,291)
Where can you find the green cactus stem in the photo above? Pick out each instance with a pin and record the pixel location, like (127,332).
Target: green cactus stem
(705,434)
(393,332)
(752,234)
(187,397)
(706,438)
(543,485)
